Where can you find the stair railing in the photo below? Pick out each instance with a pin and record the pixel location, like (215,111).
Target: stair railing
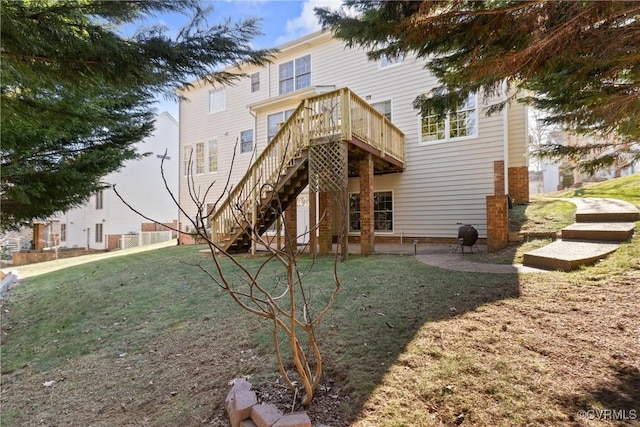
(339,113)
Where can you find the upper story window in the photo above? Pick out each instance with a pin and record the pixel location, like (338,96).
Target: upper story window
(199,161)
(457,124)
(187,160)
(384,108)
(99,199)
(246,141)
(295,74)
(213,155)
(389,61)
(217,100)
(255,82)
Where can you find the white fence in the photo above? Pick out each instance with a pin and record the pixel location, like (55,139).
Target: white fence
(144,238)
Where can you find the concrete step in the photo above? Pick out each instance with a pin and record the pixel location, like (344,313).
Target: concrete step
(568,255)
(594,216)
(600,231)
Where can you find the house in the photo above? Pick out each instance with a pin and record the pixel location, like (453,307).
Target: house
(322,120)
(104,221)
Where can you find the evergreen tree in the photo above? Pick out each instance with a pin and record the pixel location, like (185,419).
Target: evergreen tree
(77,94)
(578,59)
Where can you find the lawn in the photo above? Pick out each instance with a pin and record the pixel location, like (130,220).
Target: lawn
(146,339)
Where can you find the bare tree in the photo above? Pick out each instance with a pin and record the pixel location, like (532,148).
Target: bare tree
(285,302)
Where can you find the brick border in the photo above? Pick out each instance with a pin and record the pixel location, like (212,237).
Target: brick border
(245,411)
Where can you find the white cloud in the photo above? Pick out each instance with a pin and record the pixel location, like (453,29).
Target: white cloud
(307,22)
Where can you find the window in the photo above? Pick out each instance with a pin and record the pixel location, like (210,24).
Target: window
(187,160)
(213,155)
(199,158)
(383,108)
(246,141)
(255,82)
(295,74)
(99,199)
(382,211)
(217,100)
(63,232)
(99,233)
(388,61)
(458,124)
(274,121)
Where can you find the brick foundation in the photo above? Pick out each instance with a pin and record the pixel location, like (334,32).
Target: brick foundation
(519,184)
(497,223)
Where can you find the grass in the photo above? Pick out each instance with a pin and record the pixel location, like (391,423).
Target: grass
(147,340)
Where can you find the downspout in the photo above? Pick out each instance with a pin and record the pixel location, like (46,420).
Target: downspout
(505,136)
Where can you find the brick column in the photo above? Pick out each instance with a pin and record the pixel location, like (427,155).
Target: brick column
(367,234)
(497,222)
(498,177)
(291,227)
(326,221)
(519,184)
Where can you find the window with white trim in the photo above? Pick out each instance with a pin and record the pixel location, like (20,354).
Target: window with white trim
(384,108)
(275,120)
(217,100)
(382,211)
(99,199)
(255,82)
(294,74)
(213,155)
(389,61)
(246,141)
(457,124)
(99,233)
(187,160)
(63,232)
(199,161)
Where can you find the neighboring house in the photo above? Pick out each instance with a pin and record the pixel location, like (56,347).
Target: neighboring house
(554,175)
(104,219)
(427,173)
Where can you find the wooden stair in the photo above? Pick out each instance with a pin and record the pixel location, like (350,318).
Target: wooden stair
(281,171)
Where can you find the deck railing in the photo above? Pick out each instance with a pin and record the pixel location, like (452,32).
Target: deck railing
(336,114)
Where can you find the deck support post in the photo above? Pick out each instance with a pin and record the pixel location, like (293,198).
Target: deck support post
(367,233)
(313,230)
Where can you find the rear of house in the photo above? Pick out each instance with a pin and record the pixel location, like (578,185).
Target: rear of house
(449,166)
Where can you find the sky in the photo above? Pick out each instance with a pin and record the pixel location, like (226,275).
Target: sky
(281,21)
